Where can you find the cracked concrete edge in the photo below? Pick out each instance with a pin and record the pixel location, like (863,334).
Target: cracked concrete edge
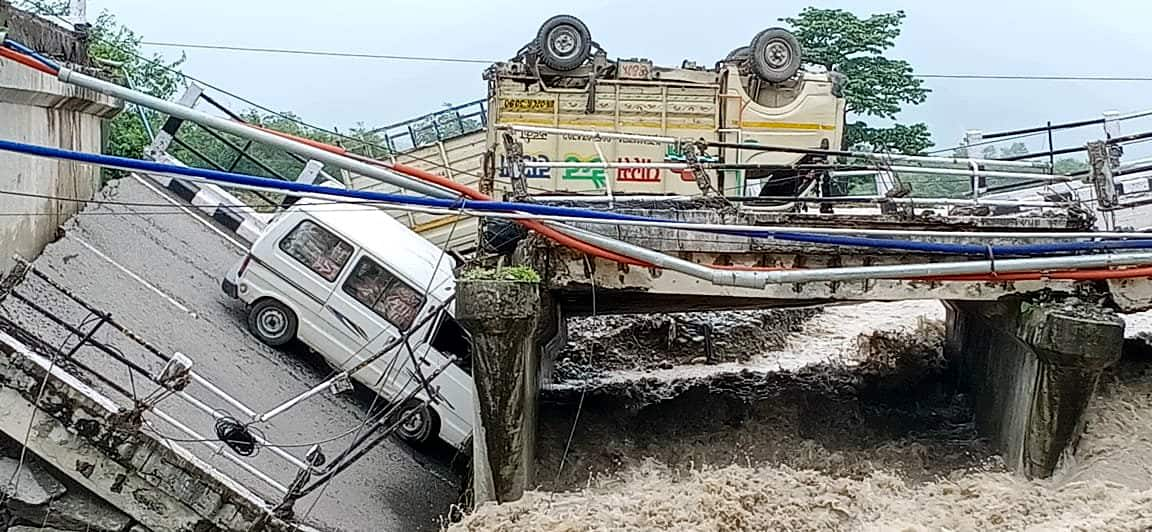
(124,467)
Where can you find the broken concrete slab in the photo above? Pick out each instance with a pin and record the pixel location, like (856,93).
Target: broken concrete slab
(34,529)
(77,510)
(33,485)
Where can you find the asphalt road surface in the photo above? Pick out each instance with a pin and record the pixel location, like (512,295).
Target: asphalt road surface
(157,271)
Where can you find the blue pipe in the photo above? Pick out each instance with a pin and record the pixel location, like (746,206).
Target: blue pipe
(31,53)
(547,210)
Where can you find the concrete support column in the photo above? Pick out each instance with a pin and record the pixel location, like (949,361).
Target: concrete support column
(502,317)
(1032,368)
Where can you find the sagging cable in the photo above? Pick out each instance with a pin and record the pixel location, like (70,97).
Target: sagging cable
(569,212)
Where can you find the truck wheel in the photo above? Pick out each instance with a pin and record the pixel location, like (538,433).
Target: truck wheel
(271,322)
(775,55)
(564,42)
(418,423)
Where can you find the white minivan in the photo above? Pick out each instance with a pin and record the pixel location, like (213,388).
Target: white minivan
(348,280)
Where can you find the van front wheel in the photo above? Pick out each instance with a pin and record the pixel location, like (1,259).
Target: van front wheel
(272,323)
(418,422)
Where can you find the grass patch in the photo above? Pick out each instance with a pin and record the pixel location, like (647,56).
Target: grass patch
(512,273)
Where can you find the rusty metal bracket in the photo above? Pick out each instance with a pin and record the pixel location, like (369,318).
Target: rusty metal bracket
(1102,160)
(514,151)
(315,459)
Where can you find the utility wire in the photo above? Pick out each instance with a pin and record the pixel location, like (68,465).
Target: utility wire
(289,51)
(442,59)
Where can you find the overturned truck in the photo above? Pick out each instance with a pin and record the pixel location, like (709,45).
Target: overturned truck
(758,94)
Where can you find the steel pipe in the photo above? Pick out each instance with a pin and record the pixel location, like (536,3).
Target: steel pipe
(985,173)
(696,226)
(173,109)
(761,279)
(589,134)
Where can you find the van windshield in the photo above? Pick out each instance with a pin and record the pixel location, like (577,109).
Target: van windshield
(452,339)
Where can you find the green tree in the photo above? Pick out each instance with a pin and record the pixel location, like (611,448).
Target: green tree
(877,86)
(116,49)
(1070,166)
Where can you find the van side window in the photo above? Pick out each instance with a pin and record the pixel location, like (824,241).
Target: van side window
(379,290)
(317,248)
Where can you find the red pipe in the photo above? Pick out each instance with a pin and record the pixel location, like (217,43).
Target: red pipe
(26,61)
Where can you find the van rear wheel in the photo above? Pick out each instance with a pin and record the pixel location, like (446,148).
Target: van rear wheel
(272,322)
(418,422)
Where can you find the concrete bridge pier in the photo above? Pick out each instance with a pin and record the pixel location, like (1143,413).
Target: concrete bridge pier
(1032,367)
(503,317)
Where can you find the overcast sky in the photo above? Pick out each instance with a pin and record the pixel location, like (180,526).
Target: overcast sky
(1102,37)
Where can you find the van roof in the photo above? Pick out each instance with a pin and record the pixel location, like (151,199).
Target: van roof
(373,229)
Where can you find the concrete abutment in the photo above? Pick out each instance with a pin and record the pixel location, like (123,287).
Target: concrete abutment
(1032,367)
(503,317)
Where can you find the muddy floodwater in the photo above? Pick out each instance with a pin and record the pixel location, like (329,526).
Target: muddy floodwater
(846,421)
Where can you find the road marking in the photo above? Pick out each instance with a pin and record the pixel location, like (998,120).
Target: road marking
(138,279)
(199,218)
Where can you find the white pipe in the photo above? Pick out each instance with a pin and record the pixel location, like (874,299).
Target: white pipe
(987,173)
(68,75)
(947,160)
(592,134)
(604,163)
(221,394)
(625,198)
(566,164)
(761,279)
(950,201)
(261,418)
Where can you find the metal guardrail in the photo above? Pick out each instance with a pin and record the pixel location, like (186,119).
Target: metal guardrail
(439,126)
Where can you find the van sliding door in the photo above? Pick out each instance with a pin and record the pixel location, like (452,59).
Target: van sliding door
(371,309)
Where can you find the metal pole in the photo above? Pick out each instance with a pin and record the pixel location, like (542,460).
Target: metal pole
(78,12)
(1051,149)
(68,75)
(985,173)
(348,373)
(590,134)
(882,157)
(760,279)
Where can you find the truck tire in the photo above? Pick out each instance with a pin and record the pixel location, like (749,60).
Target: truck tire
(272,322)
(563,42)
(775,55)
(421,425)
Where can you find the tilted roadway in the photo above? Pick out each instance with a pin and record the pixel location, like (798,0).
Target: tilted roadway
(172,298)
